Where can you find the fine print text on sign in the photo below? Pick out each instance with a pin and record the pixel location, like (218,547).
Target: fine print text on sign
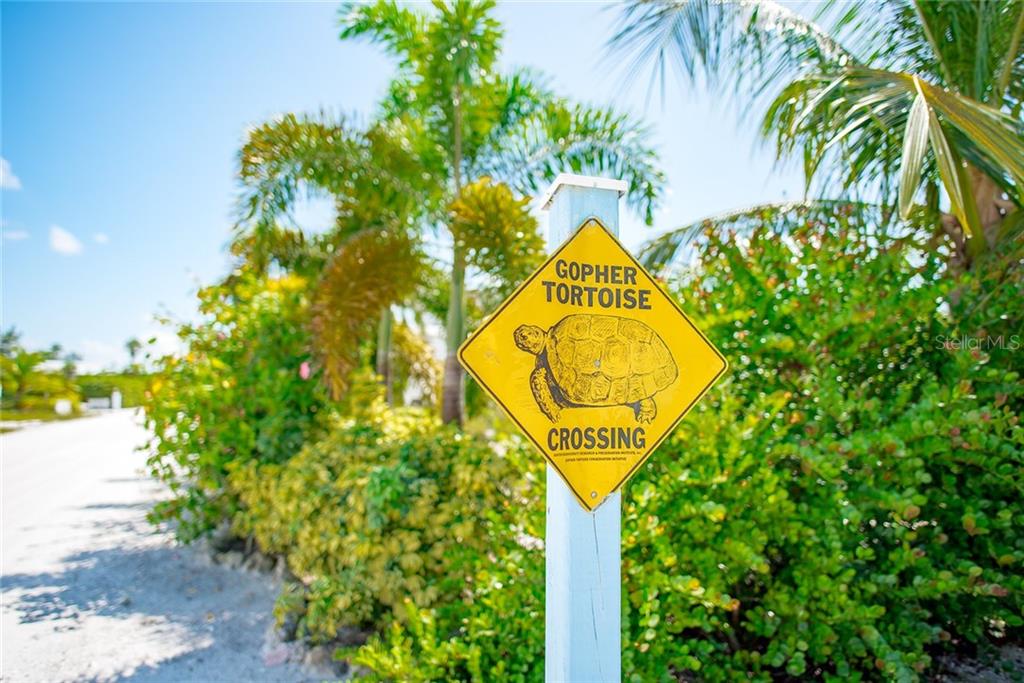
(593,361)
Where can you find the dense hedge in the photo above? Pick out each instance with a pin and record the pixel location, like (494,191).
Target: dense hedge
(822,513)
(390,507)
(243,391)
(101,385)
(845,505)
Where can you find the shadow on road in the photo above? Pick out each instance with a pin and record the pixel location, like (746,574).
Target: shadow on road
(93,592)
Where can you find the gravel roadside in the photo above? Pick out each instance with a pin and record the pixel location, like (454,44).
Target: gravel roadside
(91,591)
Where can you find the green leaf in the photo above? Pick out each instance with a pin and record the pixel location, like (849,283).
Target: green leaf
(995,133)
(915,144)
(961,201)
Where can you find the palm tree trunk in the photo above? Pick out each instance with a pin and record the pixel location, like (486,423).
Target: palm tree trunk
(384,355)
(989,198)
(452,399)
(992,209)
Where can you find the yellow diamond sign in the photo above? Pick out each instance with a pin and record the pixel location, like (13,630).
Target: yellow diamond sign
(593,361)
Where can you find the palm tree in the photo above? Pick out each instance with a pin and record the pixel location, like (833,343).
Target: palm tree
(134,347)
(71,361)
(368,261)
(10,341)
(476,124)
(888,98)
(20,369)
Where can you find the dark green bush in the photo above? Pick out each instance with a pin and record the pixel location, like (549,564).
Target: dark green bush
(241,392)
(819,515)
(847,503)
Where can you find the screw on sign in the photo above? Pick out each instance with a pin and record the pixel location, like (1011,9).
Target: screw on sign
(593,361)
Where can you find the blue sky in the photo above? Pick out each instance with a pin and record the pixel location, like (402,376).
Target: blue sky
(119,126)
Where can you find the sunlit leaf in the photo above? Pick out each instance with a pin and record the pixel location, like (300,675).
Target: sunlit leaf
(915,144)
(953,179)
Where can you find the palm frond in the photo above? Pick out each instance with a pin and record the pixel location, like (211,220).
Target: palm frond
(372,270)
(747,45)
(276,243)
(463,42)
(395,183)
(290,156)
(996,134)
(846,91)
(496,110)
(399,30)
(580,139)
(374,176)
(1010,84)
(444,55)
(860,116)
(915,144)
(497,232)
(660,253)
(962,46)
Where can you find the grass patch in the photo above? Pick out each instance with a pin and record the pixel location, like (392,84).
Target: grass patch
(42,414)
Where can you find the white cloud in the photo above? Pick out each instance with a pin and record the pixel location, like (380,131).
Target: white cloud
(15,235)
(165,342)
(63,242)
(101,238)
(8,181)
(98,356)
(52,365)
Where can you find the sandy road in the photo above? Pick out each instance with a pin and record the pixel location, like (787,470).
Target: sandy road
(92,592)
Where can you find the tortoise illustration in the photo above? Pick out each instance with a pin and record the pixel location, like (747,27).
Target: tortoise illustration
(597,360)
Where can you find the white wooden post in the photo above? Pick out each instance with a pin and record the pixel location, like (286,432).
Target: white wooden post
(582,549)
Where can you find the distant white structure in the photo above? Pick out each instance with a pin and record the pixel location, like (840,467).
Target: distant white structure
(112,402)
(62,406)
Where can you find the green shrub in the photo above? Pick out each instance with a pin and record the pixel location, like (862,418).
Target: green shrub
(389,507)
(28,389)
(101,385)
(238,394)
(823,511)
(497,633)
(846,503)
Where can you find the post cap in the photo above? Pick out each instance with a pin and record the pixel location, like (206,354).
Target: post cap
(589,181)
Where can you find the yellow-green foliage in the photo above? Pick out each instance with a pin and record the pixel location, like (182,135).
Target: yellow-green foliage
(133,387)
(238,393)
(390,506)
(28,387)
